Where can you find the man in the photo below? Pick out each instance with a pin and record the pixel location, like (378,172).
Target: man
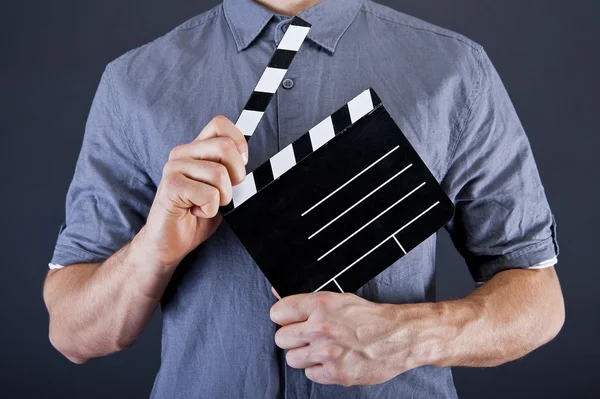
(142,225)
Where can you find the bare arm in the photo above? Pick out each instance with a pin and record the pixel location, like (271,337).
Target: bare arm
(516,312)
(344,339)
(100,308)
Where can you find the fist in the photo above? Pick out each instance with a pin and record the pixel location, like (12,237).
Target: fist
(343,339)
(196,180)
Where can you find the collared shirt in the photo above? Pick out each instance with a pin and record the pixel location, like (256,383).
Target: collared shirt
(439,87)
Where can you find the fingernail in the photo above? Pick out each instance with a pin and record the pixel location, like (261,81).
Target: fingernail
(245,157)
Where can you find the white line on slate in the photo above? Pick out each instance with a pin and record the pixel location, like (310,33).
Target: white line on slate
(349,181)
(361,200)
(371,221)
(400,245)
(377,246)
(336,283)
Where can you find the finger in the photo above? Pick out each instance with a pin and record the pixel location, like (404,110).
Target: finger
(220,126)
(292,309)
(301,358)
(212,173)
(325,374)
(185,193)
(217,149)
(292,336)
(275,293)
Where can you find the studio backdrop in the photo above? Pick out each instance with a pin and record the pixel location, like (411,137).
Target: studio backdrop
(53,55)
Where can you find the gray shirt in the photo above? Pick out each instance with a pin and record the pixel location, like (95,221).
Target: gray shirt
(439,87)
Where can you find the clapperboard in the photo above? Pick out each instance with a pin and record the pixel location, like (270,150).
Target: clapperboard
(340,204)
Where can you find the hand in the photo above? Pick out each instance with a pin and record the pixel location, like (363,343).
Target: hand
(197,178)
(346,340)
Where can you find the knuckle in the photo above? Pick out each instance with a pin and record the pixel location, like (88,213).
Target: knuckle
(175,152)
(172,181)
(225,145)
(219,122)
(331,352)
(167,168)
(322,330)
(219,171)
(213,194)
(324,299)
(333,375)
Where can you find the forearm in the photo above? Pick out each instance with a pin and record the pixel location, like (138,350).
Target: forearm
(508,317)
(100,308)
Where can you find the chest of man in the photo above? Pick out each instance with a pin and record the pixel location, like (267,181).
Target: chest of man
(176,106)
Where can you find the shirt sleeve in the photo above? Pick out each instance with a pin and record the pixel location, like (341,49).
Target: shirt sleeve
(110,195)
(502,218)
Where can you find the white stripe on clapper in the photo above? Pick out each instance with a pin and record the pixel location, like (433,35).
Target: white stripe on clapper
(360,105)
(377,246)
(270,80)
(244,190)
(321,133)
(293,38)
(283,161)
(248,121)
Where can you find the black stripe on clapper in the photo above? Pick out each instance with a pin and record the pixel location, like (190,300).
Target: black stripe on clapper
(374,97)
(300,22)
(282,59)
(263,175)
(302,147)
(341,119)
(258,101)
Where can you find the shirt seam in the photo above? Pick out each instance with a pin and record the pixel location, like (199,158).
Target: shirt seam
(466,112)
(211,14)
(422,28)
(119,111)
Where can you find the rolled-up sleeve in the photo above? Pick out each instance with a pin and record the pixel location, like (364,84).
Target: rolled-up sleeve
(502,219)
(110,195)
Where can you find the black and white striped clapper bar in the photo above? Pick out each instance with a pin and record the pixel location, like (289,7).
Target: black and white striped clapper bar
(340,204)
(272,76)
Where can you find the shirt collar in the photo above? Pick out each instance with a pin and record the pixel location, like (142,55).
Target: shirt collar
(329,19)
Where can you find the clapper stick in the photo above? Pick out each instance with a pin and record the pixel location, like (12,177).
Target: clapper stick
(272,76)
(267,86)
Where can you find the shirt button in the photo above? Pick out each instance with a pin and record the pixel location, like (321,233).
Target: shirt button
(288,83)
(284,27)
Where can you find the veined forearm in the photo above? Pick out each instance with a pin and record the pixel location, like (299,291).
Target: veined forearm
(505,319)
(100,308)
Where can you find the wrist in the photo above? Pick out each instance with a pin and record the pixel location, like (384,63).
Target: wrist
(422,329)
(454,319)
(142,253)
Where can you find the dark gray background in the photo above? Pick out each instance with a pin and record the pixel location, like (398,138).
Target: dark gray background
(53,53)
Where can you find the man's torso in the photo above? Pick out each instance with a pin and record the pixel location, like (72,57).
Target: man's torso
(217,335)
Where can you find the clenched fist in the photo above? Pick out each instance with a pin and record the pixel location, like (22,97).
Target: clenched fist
(346,340)
(196,180)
